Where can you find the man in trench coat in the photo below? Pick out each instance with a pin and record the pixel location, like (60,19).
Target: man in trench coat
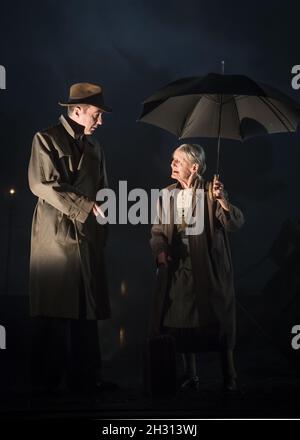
(68,289)
(211,270)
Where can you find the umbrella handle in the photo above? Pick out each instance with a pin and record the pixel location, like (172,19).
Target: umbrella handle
(210,187)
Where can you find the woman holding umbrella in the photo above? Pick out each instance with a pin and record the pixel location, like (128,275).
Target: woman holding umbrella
(198,308)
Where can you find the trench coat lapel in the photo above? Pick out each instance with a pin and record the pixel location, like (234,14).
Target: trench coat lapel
(66,150)
(172,215)
(209,205)
(88,155)
(196,197)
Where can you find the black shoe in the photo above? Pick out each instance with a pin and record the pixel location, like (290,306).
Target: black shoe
(230,385)
(49,391)
(100,388)
(190,383)
(106,387)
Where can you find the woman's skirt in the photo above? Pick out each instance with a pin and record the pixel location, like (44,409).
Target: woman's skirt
(181,318)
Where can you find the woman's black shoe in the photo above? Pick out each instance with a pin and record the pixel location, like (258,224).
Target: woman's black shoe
(230,385)
(190,383)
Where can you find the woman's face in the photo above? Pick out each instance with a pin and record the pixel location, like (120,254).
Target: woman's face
(181,166)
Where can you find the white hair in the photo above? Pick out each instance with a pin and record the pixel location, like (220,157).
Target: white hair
(195,154)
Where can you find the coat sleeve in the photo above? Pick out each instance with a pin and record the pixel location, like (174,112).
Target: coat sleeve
(45,182)
(103,173)
(158,240)
(103,183)
(231,220)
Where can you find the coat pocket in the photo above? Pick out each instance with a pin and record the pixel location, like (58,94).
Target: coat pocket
(62,228)
(220,254)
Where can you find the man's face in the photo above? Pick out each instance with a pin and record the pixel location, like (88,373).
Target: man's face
(181,166)
(88,116)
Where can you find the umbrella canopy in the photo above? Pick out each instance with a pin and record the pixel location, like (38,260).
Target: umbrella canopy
(229,106)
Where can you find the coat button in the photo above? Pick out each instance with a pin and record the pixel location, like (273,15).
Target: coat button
(72,216)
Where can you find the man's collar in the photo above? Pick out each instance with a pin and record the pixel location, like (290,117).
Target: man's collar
(73,128)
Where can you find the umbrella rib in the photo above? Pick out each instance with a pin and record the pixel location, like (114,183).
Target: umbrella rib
(216,101)
(210,97)
(229,99)
(238,115)
(188,115)
(239,97)
(278,113)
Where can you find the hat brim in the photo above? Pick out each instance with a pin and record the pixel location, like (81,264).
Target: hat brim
(104,108)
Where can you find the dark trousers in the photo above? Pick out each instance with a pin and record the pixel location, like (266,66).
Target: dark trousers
(65,353)
(227,363)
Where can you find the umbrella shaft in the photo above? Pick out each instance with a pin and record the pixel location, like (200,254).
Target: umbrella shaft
(219,133)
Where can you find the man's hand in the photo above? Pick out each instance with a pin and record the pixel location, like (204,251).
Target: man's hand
(163,258)
(97,210)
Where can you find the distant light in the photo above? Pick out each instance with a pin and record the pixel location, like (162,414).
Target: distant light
(122,336)
(124,287)
(12,191)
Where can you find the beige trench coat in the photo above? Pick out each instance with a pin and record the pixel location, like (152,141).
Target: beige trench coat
(211,267)
(66,258)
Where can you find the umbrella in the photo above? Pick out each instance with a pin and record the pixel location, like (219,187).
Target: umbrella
(221,106)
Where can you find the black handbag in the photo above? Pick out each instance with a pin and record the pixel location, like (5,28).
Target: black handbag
(160,350)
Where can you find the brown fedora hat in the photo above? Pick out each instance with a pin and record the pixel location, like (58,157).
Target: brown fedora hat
(86,93)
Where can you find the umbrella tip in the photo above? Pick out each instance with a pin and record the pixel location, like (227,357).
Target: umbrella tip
(223,66)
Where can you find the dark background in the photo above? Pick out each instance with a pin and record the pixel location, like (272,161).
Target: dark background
(133,48)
